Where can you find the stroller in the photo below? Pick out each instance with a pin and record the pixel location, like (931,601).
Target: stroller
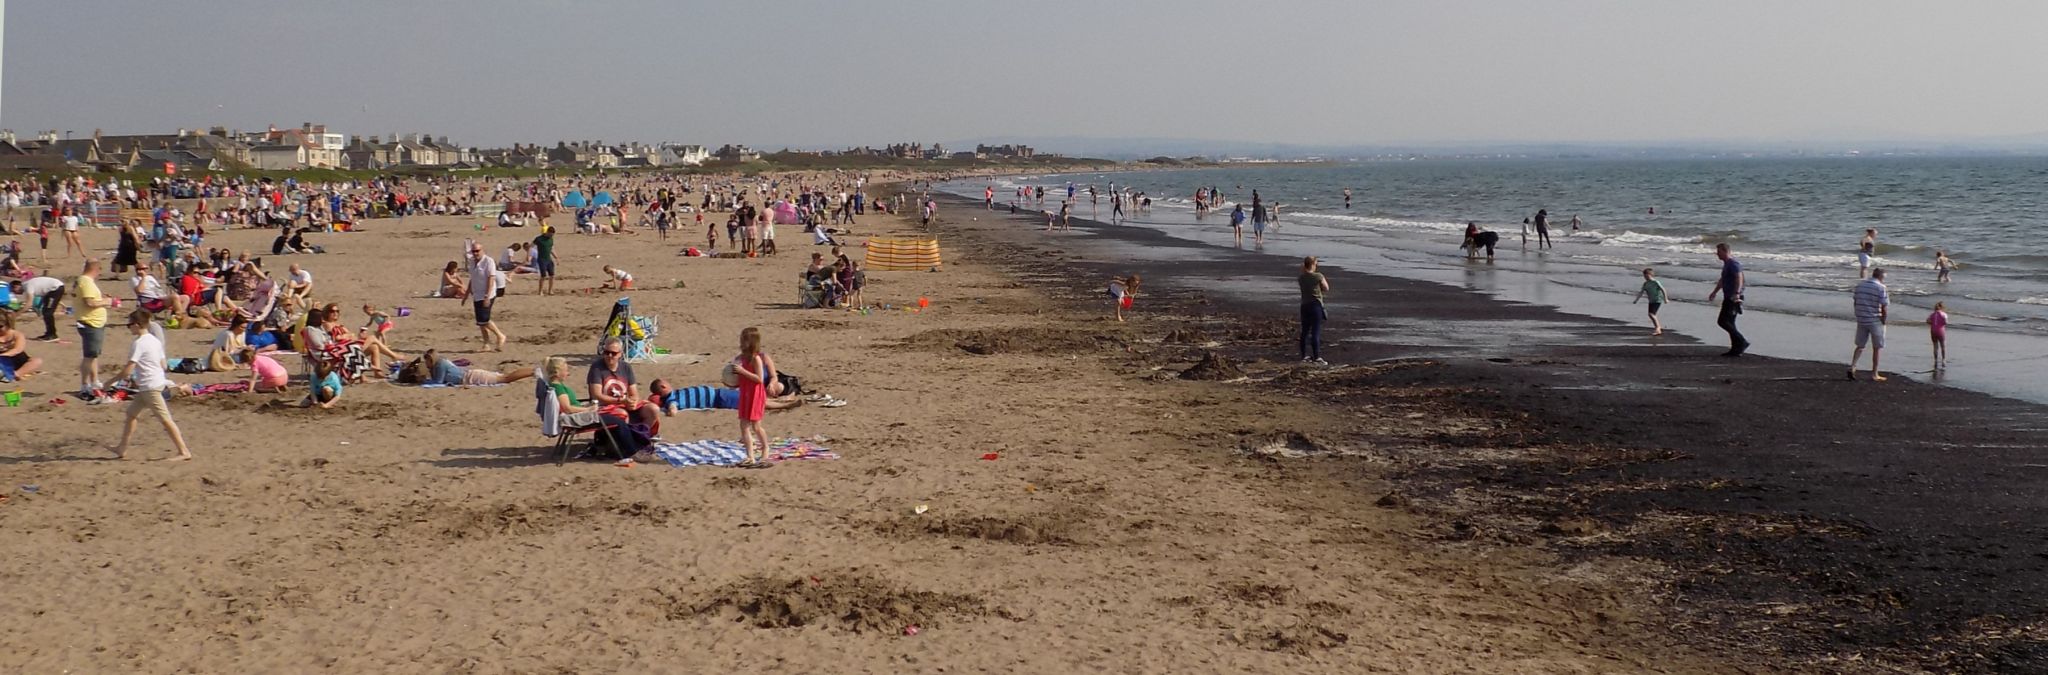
(635,332)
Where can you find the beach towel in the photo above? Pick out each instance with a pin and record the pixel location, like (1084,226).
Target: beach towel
(728,453)
(901,253)
(222,388)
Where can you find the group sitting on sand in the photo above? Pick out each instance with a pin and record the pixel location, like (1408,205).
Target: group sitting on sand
(264,319)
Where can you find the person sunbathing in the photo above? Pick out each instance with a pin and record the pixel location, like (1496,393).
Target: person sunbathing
(431,368)
(707,397)
(371,343)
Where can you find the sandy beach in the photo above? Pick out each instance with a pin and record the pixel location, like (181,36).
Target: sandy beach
(1132,520)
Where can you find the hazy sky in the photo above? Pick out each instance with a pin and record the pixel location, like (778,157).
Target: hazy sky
(827,72)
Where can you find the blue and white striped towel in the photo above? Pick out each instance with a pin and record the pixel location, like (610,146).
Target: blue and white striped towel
(701,453)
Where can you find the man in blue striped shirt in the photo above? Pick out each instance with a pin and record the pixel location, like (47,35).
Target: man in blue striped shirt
(706,397)
(1873,305)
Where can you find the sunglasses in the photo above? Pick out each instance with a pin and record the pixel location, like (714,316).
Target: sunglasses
(614,353)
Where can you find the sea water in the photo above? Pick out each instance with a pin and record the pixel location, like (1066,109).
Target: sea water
(1794,223)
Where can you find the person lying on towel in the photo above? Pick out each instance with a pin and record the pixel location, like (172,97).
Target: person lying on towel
(707,397)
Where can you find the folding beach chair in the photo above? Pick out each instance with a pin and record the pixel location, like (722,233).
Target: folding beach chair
(551,425)
(635,332)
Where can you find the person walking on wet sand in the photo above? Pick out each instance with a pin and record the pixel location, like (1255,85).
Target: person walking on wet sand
(1654,290)
(1730,288)
(1313,286)
(1237,224)
(1873,306)
(1543,230)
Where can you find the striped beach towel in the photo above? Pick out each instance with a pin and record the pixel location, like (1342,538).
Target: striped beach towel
(901,253)
(728,453)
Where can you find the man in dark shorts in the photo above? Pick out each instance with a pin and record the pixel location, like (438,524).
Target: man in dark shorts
(1730,289)
(483,294)
(544,258)
(1543,230)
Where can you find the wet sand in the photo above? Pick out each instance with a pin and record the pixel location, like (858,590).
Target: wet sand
(1770,508)
(1132,520)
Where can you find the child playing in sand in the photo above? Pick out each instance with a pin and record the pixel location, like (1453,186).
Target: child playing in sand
(1121,291)
(1937,329)
(266,375)
(1653,289)
(1942,265)
(753,370)
(620,279)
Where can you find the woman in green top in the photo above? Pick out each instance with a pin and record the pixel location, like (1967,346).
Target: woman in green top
(573,412)
(1313,285)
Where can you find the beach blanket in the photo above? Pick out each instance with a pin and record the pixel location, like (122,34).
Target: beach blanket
(222,388)
(728,453)
(901,253)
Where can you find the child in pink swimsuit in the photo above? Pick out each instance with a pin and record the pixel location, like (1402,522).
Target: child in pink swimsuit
(1937,329)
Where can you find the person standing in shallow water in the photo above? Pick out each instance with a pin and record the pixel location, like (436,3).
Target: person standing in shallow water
(1730,289)
(1313,286)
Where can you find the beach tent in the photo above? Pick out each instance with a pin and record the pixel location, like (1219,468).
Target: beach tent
(574,200)
(785,213)
(603,198)
(902,253)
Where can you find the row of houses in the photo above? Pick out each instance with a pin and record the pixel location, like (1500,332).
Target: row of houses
(938,151)
(314,146)
(596,155)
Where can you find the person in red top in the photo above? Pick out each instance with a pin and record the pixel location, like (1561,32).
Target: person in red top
(753,370)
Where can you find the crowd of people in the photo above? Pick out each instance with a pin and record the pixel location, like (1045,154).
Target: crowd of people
(265,319)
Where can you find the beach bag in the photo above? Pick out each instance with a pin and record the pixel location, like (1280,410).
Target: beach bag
(791,385)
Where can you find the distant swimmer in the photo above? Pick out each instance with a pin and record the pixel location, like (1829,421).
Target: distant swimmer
(1864,249)
(1653,210)
(1476,238)
(1575,222)
(1942,266)
(1347,198)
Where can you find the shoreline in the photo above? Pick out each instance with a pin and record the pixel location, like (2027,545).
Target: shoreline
(1600,450)
(1794,313)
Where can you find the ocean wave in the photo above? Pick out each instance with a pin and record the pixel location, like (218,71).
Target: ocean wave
(2033,301)
(1380,222)
(1632,237)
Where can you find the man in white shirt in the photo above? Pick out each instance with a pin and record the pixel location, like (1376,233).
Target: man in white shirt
(484,287)
(146,369)
(301,282)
